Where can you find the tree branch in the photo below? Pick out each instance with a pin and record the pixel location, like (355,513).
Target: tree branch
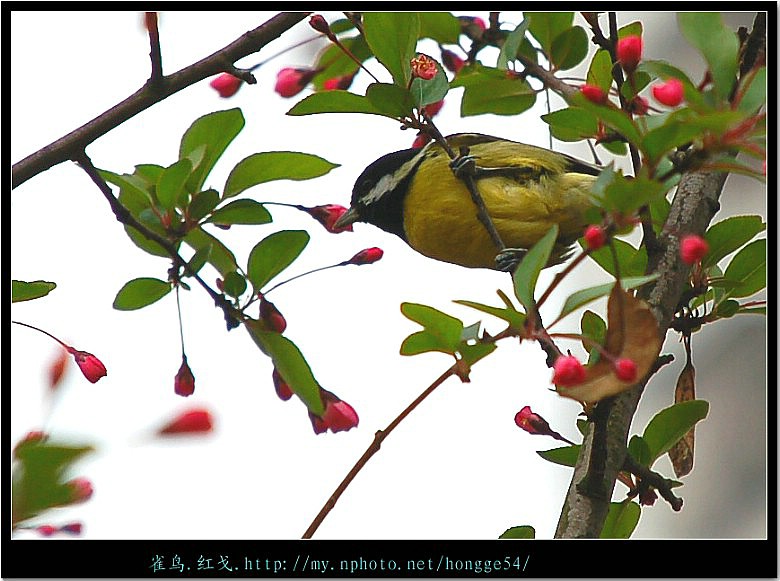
(151,93)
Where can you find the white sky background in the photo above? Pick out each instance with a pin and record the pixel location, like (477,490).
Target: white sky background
(458,467)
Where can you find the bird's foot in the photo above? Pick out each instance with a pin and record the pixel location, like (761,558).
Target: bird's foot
(509,258)
(464,165)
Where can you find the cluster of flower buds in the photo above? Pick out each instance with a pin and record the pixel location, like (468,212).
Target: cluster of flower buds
(568,371)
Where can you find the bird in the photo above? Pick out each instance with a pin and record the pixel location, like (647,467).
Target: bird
(416,195)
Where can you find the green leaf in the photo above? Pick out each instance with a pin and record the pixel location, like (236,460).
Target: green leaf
(748,268)
(627,195)
(521,532)
(473,352)
(515,318)
(134,191)
(220,256)
(442,27)
(621,521)
(391,100)
(234,284)
(572,124)
(199,259)
(27,291)
(566,456)
(664,139)
(669,425)
(274,165)
(632,261)
(630,29)
(426,92)
(333,61)
(594,328)
(140,292)
(727,308)
(546,26)
(527,272)
(754,95)
(171,183)
(719,46)
(582,297)
(241,212)
(488,90)
(600,70)
(613,118)
(273,254)
(569,48)
(215,131)
(290,363)
(511,45)
(392,37)
(202,204)
(728,235)
(442,332)
(334,102)
(640,451)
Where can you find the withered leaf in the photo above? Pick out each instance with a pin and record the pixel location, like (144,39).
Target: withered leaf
(681,454)
(632,332)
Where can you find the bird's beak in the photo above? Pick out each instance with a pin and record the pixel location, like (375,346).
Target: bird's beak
(347,218)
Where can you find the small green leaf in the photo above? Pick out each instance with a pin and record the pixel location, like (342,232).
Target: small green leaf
(442,332)
(632,261)
(334,102)
(234,284)
(488,90)
(273,254)
(600,70)
(391,100)
(392,37)
(748,268)
(512,44)
(241,212)
(442,27)
(630,29)
(290,363)
(569,48)
(621,520)
(566,456)
(594,328)
(134,191)
(613,118)
(220,256)
(640,451)
(670,424)
(754,95)
(426,92)
(140,292)
(473,352)
(527,272)
(546,26)
(199,259)
(727,308)
(521,532)
(171,183)
(215,131)
(27,291)
(666,138)
(274,165)
(515,318)
(728,235)
(202,204)
(719,46)
(583,297)
(572,124)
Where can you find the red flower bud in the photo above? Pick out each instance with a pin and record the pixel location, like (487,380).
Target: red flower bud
(318,23)
(342,83)
(595,237)
(531,422)
(433,108)
(338,416)
(57,369)
(291,81)
(46,530)
(269,314)
(184,382)
(421,140)
(568,371)
(280,385)
(629,52)
(327,215)
(73,528)
(226,85)
(669,93)
(80,490)
(693,248)
(423,67)
(191,422)
(594,94)
(92,368)
(366,256)
(625,369)
(451,61)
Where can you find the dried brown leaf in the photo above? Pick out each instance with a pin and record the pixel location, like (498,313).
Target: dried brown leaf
(681,454)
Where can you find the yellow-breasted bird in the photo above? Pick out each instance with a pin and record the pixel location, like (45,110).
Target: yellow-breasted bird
(526,190)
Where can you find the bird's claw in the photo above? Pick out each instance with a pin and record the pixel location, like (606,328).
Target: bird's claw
(464,165)
(509,258)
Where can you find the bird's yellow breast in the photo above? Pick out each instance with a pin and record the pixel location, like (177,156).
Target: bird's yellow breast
(440,219)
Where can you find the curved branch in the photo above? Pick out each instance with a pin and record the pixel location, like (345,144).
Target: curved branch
(151,93)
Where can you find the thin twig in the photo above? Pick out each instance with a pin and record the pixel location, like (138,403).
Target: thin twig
(154,54)
(373,448)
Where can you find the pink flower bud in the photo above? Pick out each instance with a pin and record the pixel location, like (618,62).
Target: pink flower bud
(291,81)
(80,490)
(341,83)
(328,215)
(46,530)
(423,67)
(451,61)
(594,94)
(433,108)
(625,369)
(92,368)
(318,23)
(669,93)
(568,371)
(595,237)
(531,422)
(271,316)
(184,382)
(73,528)
(693,248)
(280,385)
(421,140)
(194,421)
(226,85)
(366,256)
(338,416)
(629,52)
